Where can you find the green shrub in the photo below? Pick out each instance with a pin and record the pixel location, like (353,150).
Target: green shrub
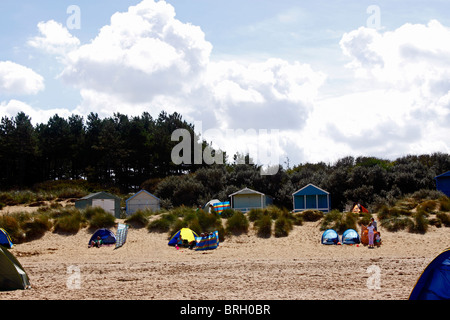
(396,223)
(339,221)
(283,226)
(163,223)
(255,214)
(264,226)
(12,225)
(37,227)
(102,219)
(420,223)
(444,204)
(312,215)
(227,213)
(444,218)
(427,206)
(237,224)
(138,219)
(69,223)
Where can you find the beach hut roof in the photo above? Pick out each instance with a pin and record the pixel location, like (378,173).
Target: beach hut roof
(246,191)
(310,189)
(142,191)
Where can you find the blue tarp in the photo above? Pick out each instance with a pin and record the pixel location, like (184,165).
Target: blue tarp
(209,242)
(106,235)
(350,236)
(330,237)
(434,283)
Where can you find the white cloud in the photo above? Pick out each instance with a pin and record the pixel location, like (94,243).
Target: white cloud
(11,108)
(55,38)
(16,79)
(147,60)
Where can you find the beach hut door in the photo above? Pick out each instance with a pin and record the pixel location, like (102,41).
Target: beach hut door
(106,204)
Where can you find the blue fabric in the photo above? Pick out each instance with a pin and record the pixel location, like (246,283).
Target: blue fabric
(209,242)
(5,240)
(106,235)
(434,283)
(330,237)
(350,236)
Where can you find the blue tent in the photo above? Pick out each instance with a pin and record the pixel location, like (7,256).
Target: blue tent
(434,283)
(5,240)
(350,236)
(330,237)
(106,235)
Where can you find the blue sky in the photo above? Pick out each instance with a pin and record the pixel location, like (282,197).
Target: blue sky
(310,69)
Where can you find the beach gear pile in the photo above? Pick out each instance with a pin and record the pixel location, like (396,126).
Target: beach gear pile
(187,238)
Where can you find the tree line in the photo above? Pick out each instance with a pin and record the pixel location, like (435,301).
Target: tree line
(133,153)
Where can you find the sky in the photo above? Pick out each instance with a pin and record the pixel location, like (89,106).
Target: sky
(289,81)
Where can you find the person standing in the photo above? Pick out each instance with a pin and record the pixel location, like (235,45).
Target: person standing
(370,230)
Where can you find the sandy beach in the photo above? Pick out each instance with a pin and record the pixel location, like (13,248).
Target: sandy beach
(62,267)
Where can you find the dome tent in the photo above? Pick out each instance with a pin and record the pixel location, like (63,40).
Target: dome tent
(12,274)
(330,236)
(107,236)
(183,236)
(434,283)
(5,239)
(350,236)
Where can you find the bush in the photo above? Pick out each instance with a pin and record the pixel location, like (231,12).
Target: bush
(339,221)
(227,213)
(162,224)
(237,224)
(282,227)
(102,219)
(12,225)
(254,214)
(444,204)
(444,218)
(37,227)
(396,223)
(264,226)
(70,223)
(138,219)
(427,206)
(420,223)
(312,215)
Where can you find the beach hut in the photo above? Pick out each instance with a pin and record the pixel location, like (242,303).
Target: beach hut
(142,200)
(311,197)
(443,183)
(107,201)
(247,199)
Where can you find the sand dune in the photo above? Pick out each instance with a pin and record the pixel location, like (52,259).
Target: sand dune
(243,267)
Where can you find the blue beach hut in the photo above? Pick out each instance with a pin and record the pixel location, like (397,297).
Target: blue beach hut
(443,183)
(311,197)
